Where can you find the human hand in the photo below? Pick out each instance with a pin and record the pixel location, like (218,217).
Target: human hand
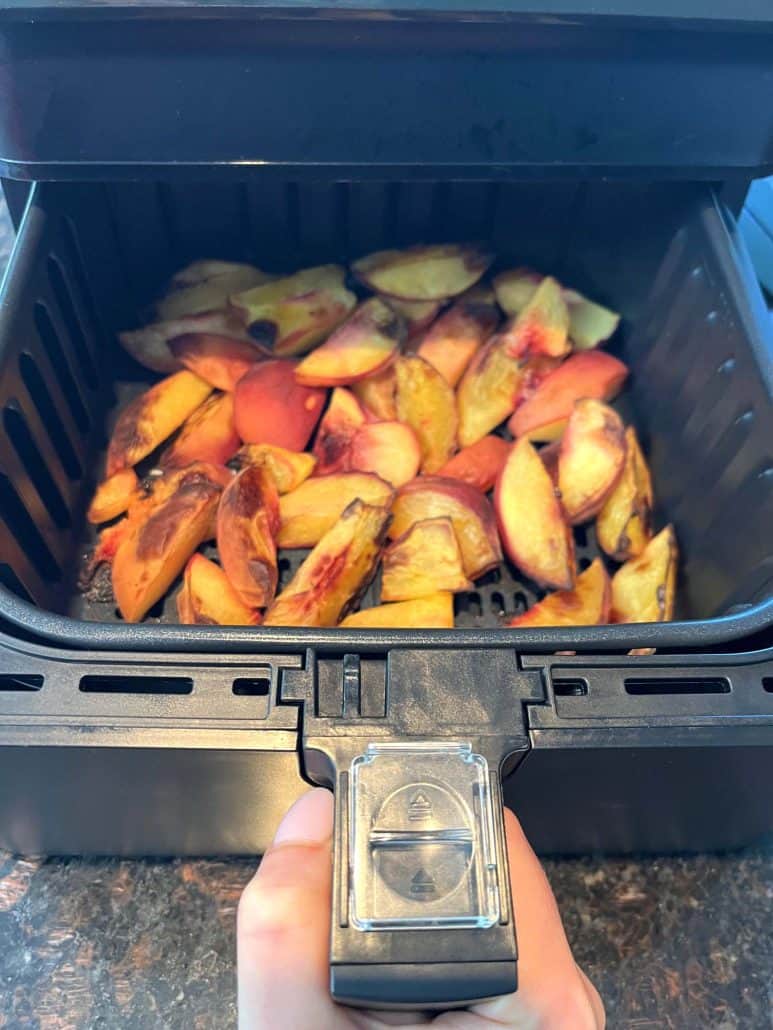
(284,930)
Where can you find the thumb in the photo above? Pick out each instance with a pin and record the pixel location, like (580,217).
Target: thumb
(284,924)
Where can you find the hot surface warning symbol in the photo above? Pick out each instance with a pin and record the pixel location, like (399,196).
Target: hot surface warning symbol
(422,883)
(419,807)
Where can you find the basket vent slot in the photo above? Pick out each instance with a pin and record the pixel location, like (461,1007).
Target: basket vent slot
(26,532)
(71,321)
(570,687)
(136,685)
(53,347)
(678,685)
(10,681)
(76,264)
(252,686)
(35,466)
(48,416)
(11,581)
(767,684)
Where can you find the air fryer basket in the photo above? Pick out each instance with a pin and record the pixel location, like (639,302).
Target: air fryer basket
(90,258)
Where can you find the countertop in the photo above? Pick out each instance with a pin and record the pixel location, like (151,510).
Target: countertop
(670,942)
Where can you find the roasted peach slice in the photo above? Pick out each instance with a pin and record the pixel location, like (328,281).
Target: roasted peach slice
(624,524)
(218,360)
(253,305)
(289,468)
(515,288)
(478,464)
(488,392)
(543,416)
(207,598)
(377,394)
(425,559)
(342,419)
(336,573)
(113,496)
(366,342)
(207,435)
(308,513)
(152,417)
(451,342)
(591,459)
(206,286)
(436,611)
(271,406)
(427,404)
(150,346)
(389,449)
(417,314)
(532,526)
(154,551)
(589,323)
(157,488)
(430,497)
(542,326)
(423,273)
(247,525)
(296,324)
(586,605)
(643,589)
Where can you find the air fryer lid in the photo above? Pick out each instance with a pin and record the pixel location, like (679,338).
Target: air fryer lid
(559,88)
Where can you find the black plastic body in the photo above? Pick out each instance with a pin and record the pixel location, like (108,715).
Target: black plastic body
(89,258)
(367,89)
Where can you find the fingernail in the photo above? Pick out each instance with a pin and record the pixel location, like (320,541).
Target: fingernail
(309,821)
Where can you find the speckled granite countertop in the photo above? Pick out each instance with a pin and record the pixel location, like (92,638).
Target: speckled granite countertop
(670,943)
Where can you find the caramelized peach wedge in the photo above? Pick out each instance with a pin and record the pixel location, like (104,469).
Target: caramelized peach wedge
(423,273)
(247,525)
(449,345)
(206,286)
(471,515)
(113,496)
(271,406)
(151,346)
(531,521)
(207,598)
(336,431)
(435,611)
(288,468)
(154,551)
(489,391)
(624,524)
(308,512)
(336,572)
(542,327)
(152,417)
(417,314)
(218,360)
(376,393)
(427,404)
(586,605)
(590,460)
(479,464)
(365,343)
(207,435)
(643,590)
(424,560)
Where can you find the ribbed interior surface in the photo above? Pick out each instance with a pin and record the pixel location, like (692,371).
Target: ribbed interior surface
(90,259)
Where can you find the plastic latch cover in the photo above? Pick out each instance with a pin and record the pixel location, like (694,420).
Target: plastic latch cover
(422,852)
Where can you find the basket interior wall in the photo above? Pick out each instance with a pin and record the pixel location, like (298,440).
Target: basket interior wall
(91,258)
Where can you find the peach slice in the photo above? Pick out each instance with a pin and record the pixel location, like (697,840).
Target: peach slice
(113,496)
(515,288)
(336,573)
(377,394)
(154,551)
(218,360)
(205,286)
(590,324)
(436,611)
(417,314)
(296,324)
(423,273)
(488,392)
(430,497)
(289,468)
(624,524)
(478,464)
(108,542)
(365,343)
(542,326)
(207,435)
(427,404)
(157,488)
(271,406)
(543,416)
(591,459)
(150,346)
(308,512)
(425,559)
(152,417)
(336,431)
(389,449)
(247,524)
(531,522)
(253,303)
(208,599)
(643,589)
(451,342)
(586,605)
